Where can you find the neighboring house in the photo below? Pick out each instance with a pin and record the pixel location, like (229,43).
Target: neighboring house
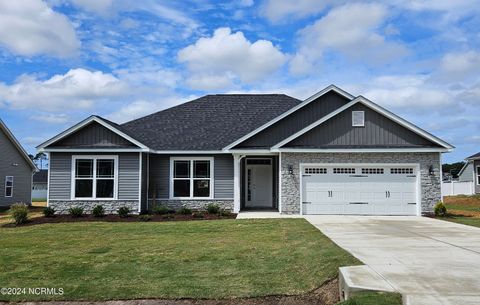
(40,185)
(330,154)
(16,170)
(471,171)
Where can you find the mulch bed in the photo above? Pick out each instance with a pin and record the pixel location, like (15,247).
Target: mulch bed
(116,218)
(327,294)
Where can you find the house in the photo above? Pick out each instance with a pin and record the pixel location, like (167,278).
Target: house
(471,171)
(40,184)
(16,170)
(332,153)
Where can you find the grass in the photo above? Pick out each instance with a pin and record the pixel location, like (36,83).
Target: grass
(196,259)
(463,209)
(374,298)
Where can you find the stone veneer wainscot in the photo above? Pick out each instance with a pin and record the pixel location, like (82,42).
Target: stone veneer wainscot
(110,206)
(197,205)
(430,185)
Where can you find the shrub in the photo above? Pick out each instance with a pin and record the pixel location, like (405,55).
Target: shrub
(213,208)
(440,210)
(98,211)
(198,215)
(76,211)
(161,210)
(19,213)
(48,212)
(123,211)
(145,217)
(168,216)
(184,211)
(225,213)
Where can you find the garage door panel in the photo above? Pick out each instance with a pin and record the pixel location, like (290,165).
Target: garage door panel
(358,189)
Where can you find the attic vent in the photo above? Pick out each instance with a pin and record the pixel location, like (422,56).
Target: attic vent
(358,118)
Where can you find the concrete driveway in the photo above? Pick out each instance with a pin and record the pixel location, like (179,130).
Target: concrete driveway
(429,261)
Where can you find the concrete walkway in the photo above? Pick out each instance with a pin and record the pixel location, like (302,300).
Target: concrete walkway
(429,261)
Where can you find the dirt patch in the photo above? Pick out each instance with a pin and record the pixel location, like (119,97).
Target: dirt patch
(327,294)
(474,214)
(473,201)
(117,218)
(39,203)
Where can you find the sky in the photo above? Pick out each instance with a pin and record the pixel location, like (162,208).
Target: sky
(61,60)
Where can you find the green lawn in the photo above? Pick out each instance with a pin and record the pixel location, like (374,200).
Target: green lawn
(463,209)
(374,298)
(196,259)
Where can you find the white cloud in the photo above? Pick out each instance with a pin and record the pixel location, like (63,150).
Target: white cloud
(226,55)
(30,28)
(51,118)
(76,89)
(284,10)
(409,93)
(459,66)
(351,29)
(140,108)
(246,3)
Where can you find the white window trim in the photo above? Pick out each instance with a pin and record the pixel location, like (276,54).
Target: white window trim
(94,191)
(477,174)
(191,159)
(11,194)
(353,119)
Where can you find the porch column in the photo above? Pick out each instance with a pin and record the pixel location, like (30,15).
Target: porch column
(236,183)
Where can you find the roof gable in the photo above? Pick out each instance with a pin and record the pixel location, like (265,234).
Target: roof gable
(418,131)
(315,97)
(9,135)
(92,133)
(474,157)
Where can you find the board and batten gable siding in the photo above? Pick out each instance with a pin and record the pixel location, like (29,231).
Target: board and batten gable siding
(13,163)
(378,132)
(296,121)
(93,135)
(61,175)
(160,176)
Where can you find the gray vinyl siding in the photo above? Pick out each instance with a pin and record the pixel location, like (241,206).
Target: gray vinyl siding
(22,173)
(160,176)
(477,185)
(61,173)
(93,135)
(223,176)
(144,182)
(467,174)
(378,132)
(296,121)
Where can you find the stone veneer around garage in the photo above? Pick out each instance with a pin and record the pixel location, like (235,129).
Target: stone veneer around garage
(193,204)
(430,185)
(110,206)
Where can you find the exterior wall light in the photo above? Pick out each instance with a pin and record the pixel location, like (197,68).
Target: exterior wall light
(431,172)
(290,169)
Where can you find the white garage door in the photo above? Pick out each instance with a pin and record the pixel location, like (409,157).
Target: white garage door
(359,190)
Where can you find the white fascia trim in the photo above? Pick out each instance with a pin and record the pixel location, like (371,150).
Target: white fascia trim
(359,150)
(17,144)
(84,123)
(92,150)
(376,108)
(464,167)
(287,113)
(252,151)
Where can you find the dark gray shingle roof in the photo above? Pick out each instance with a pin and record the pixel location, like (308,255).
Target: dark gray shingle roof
(208,123)
(475,156)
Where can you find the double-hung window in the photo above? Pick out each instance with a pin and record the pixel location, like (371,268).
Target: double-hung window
(478,175)
(191,178)
(95,177)
(8,186)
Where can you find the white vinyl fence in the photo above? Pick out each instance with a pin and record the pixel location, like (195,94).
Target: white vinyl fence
(39,194)
(457,188)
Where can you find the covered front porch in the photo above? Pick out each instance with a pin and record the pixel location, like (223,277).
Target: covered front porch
(256,182)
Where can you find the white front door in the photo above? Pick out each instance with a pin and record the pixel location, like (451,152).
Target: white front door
(359,189)
(258,183)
